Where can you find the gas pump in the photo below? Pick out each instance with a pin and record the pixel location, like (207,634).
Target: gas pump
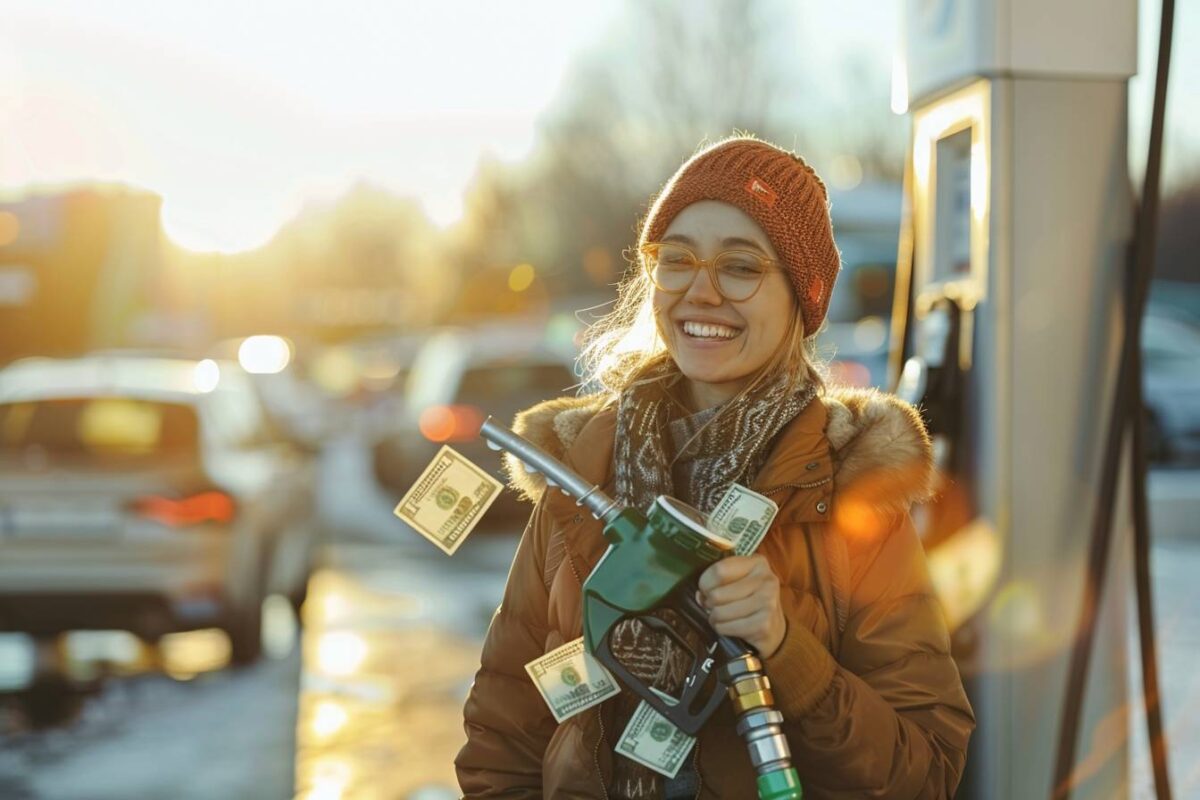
(1007,333)
(949,273)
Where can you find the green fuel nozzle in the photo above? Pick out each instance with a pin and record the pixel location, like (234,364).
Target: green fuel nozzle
(653,561)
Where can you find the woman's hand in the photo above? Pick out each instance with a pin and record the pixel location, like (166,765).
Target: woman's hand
(741,594)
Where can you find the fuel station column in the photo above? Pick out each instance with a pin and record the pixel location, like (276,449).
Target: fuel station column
(1007,331)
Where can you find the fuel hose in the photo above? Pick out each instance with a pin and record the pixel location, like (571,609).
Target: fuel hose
(1126,414)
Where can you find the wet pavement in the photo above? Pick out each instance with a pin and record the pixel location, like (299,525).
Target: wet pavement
(1175,565)
(391,645)
(366,702)
(219,734)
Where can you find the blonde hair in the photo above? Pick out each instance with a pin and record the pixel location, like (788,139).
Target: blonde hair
(625,347)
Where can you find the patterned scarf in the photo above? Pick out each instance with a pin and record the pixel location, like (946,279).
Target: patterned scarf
(723,446)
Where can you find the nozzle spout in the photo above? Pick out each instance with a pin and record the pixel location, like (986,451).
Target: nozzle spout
(598,503)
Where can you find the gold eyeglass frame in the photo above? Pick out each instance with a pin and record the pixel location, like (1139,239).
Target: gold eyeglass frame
(649,251)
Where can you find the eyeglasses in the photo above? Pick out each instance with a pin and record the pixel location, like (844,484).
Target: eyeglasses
(737,274)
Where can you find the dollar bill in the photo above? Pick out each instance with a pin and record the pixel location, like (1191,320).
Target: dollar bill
(651,740)
(448,500)
(570,679)
(743,517)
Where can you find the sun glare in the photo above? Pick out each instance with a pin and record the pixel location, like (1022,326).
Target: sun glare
(443,208)
(215,230)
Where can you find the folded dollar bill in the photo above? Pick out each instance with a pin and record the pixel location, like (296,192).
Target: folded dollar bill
(448,500)
(652,741)
(571,680)
(743,517)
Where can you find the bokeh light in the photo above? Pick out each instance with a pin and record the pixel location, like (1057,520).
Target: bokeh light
(328,718)
(185,655)
(846,172)
(337,370)
(965,569)
(437,423)
(870,333)
(265,355)
(206,376)
(326,778)
(521,277)
(341,652)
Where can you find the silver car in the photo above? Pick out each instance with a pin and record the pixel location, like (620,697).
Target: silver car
(148,495)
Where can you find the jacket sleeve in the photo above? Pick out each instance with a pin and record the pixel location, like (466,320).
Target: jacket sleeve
(508,724)
(890,718)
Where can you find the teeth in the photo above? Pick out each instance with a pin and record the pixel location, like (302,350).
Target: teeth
(709,331)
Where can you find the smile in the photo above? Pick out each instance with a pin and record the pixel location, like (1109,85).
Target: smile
(708,330)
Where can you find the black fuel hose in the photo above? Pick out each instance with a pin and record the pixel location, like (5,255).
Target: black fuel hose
(1127,413)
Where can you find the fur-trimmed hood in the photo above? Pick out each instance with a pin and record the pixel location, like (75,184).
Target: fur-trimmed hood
(877,443)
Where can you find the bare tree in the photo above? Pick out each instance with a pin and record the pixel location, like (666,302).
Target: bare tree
(669,76)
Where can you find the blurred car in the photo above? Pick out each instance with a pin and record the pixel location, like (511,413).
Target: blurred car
(1171,380)
(149,495)
(458,379)
(856,352)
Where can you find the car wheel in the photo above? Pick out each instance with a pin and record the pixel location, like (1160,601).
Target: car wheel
(387,462)
(245,636)
(51,701)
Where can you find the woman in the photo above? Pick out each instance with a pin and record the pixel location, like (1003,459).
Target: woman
(704,381)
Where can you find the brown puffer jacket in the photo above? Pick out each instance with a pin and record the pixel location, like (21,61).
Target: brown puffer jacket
(889,719)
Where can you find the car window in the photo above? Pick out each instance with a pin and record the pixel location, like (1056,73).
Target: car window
(1165,338)
(98,428)
(506,388)
(432,372)
(234,412)
(498,380)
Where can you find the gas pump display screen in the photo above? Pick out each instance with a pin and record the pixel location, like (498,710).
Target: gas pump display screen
(952,215)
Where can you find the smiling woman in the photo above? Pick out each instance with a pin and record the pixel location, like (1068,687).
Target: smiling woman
(719,345)
(701,381)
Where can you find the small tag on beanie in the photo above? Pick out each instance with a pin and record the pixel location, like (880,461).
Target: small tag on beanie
(816,290)
(759,190)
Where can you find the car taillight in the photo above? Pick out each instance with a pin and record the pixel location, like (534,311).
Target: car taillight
(179,512)
(450,423)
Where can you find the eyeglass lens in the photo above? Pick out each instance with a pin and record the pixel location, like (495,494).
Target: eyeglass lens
(738,272)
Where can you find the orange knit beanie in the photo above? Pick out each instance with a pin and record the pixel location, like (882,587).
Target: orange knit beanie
(781,193)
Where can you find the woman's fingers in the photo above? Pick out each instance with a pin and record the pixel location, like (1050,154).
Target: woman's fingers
(759,600)
(733,578)
(728,570)
(741,594)
(754,628)
(732,592)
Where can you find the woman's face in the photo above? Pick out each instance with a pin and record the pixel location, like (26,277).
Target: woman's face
(740,337)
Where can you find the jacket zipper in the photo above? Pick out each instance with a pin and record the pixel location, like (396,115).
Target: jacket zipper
(596,753)
(812,485)
(699,777)
(599,715)
(574,569)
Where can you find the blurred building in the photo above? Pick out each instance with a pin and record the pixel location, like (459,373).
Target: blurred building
(78,269)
